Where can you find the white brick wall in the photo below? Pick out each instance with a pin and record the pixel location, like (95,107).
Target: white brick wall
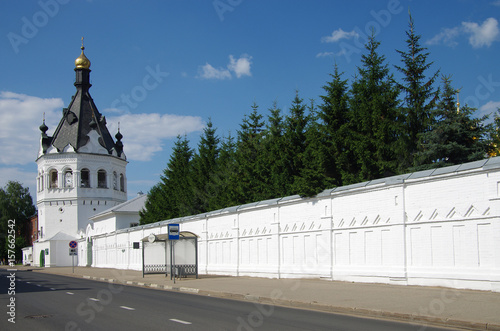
(440,228)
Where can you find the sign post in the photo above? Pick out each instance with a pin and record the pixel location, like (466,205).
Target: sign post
(72,252)
(173,236)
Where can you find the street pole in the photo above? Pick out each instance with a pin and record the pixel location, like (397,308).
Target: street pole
(173,258)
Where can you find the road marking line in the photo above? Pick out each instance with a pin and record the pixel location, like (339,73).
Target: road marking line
(38,285)
(53,289)
(128,308)
(93,299)
(28,282)
(180,321)
(70,293)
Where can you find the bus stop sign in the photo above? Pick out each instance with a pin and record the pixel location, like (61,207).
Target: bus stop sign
(173,232)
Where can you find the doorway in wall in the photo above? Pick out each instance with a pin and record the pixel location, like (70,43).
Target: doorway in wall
(42,258)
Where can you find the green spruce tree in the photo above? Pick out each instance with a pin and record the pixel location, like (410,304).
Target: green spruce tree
(312,177)
(172,197)
(494,141)
(223,181)
(157,206)
(374,106)
(273,157)
(457,136)
(419,97)
(335,129)
(203,169)
(296,125)
(248,180)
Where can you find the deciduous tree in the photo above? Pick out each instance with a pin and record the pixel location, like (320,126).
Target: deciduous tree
(16,204)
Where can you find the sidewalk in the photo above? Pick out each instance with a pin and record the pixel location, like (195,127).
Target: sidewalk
(478,310)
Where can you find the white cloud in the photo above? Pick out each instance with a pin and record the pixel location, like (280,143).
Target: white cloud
(143,134)
(479,34)
(117,111)
(209,72)
(489,108)
(240,67)
(342,52)
(482,35)
(21,115)
(325,54)
(338,35)
(447,36)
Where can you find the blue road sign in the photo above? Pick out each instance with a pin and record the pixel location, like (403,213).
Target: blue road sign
(173,232)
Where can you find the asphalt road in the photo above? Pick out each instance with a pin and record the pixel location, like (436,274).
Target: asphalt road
(52,302)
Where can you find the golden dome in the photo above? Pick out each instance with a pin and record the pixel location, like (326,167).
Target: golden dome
(82,62)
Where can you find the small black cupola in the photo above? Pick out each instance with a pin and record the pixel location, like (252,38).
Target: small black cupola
(46,140)
(119,144)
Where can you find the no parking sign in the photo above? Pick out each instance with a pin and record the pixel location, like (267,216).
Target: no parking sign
(72,252)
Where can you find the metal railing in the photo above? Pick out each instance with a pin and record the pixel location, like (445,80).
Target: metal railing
(180,270)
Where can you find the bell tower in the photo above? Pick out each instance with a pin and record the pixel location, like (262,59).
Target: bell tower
(81,168)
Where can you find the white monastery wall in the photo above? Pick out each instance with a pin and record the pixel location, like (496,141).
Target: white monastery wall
(438,227)
(368,234)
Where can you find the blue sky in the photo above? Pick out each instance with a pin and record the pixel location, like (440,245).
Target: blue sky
(163,68)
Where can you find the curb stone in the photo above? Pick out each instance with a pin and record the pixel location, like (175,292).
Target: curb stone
(190,290)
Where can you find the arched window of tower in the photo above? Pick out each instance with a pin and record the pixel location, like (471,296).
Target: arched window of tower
(122,183)
(101,179)
(85,178)
(115,181)
(40,181)
(53,179)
